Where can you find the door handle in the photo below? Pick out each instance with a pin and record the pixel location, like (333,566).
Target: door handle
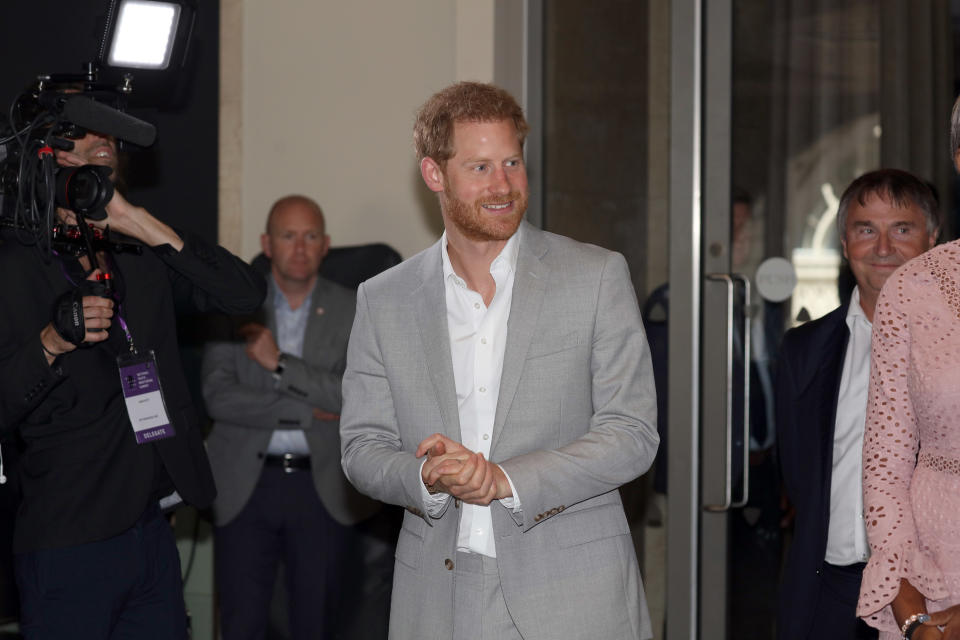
(747,337)
(731,280)
(727,490)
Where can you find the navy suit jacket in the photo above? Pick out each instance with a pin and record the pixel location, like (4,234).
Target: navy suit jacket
(808,384)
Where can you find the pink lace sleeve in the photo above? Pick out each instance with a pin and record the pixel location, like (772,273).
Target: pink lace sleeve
(889,458)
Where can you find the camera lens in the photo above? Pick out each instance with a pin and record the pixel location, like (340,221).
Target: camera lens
(85,189)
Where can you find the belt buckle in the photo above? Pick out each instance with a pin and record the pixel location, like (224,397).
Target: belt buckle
(287,462)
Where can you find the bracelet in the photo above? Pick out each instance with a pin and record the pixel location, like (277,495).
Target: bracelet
(47,351)
(911,624)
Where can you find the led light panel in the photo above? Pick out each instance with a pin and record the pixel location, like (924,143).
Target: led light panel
(144,34)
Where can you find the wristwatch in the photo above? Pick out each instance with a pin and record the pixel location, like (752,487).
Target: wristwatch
(281,364)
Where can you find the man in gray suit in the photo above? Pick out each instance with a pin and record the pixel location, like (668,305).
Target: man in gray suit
(499,387)
(274,448)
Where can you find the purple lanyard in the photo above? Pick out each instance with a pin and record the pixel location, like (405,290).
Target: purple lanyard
(126,329)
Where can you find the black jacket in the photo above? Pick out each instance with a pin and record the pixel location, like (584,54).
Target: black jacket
(807,389)
(82,474)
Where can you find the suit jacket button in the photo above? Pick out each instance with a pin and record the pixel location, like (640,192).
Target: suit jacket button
(448,563)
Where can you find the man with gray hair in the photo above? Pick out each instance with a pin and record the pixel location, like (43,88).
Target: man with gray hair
(885,218)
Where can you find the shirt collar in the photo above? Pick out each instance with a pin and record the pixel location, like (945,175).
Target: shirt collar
(506,259)
(855,311)
(280,302)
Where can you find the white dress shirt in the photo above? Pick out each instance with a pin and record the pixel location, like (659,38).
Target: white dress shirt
(478,340)
(847,533)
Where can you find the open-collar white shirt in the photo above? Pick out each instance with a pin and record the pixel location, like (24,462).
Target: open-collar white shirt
(846,531)
(478,340)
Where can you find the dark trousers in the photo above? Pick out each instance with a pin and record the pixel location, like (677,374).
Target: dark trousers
(284,521)
(125,587)
(835,615)
(755,555)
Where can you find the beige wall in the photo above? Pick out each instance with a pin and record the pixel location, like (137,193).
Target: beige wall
(318,97)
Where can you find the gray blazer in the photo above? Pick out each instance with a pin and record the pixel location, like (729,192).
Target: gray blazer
(247,404)
(576,419)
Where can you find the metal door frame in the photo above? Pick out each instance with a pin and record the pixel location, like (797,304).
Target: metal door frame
(699,372)
(683,503)
(699,243)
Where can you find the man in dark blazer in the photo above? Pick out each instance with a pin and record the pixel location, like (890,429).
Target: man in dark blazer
(274,448)
(884,218)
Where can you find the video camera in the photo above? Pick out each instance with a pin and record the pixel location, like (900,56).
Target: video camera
(59,109)
(49,116)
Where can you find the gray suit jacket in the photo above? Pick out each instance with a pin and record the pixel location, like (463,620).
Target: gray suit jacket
(576,419)
(247,404)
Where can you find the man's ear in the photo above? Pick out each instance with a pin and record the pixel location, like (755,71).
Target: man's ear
(265,244)
(843,247)
(326,246)
(432,174)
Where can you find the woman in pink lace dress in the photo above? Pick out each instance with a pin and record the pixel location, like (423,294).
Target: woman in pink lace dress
(911,451)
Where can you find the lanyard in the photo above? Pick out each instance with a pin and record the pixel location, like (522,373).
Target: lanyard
(126,330)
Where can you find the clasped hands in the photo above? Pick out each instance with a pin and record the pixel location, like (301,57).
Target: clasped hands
(453,469)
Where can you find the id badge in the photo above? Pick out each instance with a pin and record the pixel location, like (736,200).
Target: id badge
(140,380)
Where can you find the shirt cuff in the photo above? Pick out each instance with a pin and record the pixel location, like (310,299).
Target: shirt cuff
(513,502)
(435,503)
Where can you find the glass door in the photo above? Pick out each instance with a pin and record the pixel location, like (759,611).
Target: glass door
(701,140)
(775,108)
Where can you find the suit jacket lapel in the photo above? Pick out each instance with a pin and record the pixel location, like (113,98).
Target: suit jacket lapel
(529,288)
(267,314)
(430,302)
(829,376)
(316,319)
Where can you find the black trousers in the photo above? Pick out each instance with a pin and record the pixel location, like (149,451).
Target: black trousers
(125,587)
(284,521)
(836,613)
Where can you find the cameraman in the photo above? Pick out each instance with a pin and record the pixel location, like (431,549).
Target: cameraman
(94,557)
